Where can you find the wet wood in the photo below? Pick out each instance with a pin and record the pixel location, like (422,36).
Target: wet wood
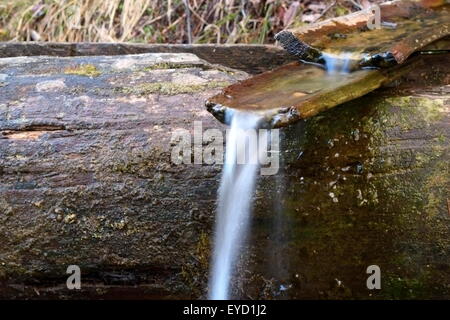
(298,91)
(86,178)
(361,184)
(408,27)
(298,48)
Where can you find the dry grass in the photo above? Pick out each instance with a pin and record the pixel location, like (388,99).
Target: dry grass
(156,21)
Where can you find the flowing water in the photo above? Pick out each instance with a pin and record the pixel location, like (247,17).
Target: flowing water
(235,202)
(237,188)
(339,63)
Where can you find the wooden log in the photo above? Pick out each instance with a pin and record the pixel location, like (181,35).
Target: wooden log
(249,58)
(86,178)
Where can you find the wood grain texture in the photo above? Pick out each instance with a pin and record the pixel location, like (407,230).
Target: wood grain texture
(249,58)
(86,178)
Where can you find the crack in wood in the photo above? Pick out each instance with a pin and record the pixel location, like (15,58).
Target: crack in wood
(31,132)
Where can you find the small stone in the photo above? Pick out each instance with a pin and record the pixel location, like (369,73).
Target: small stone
(35,36)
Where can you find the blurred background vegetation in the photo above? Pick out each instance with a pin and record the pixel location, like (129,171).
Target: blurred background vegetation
(157,21)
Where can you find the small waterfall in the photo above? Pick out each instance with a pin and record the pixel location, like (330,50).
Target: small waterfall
(235,201)
(338,64)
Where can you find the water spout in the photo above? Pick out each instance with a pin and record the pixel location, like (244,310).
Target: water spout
(339,63)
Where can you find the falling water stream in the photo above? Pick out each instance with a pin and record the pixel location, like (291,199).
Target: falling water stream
(237,188)
(234,204)
(338,63)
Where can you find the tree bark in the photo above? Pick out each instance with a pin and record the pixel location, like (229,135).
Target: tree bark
(86,178)
(249,58)
(86,171)
(365,183)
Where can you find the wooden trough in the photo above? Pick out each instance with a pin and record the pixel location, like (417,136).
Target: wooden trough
(377,56)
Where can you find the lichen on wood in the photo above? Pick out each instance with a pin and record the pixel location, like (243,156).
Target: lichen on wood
(83,70)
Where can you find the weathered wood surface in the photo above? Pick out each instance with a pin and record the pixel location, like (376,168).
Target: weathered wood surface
(86,178)
(249,58)
(365,183)
(86,175)
(298,91)
(414,25)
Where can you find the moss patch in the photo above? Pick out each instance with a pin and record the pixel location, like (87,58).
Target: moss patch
(168,65)
(195,272)
(170,88)
(88,70)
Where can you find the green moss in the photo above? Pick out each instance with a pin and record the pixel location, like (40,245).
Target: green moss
(195,272)
(436,189)
(396,206)
(170,88)
(422,112)
(168,65)
(405,288)
(341,11)
(88,70)
(441,138)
